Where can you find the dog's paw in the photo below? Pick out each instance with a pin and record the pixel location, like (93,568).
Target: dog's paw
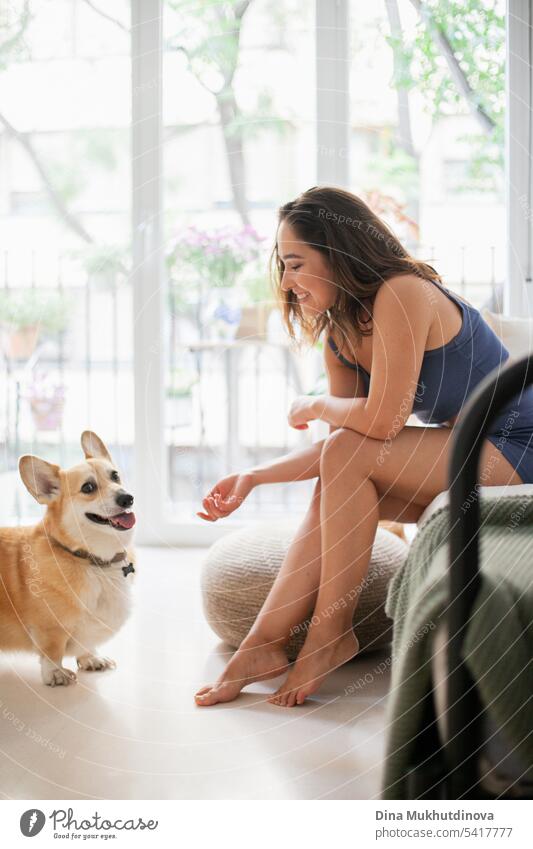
(58,676)
(91,663)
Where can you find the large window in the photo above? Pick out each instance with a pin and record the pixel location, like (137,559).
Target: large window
(177,357)
(426,128)
(65,300)
(239,140)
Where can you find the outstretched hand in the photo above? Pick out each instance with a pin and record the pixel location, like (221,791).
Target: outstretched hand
(226,496)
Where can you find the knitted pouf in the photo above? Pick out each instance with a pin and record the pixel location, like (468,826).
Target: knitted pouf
(241,567)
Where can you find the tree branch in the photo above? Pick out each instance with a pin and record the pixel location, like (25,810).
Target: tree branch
(55,198)
(105,15)
(457,73)
(240,9)
(405,136)
(23,23)
(181,49)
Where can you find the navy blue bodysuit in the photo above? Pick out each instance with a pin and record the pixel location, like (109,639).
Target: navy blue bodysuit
(450,373)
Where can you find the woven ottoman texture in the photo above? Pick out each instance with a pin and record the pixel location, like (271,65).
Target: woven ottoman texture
(240,569)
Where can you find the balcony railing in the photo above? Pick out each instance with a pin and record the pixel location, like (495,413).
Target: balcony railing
(226,412)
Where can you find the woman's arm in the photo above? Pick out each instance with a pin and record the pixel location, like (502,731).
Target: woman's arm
(229,493)
(296,466)
(401,320)
(304,464)
(351,413)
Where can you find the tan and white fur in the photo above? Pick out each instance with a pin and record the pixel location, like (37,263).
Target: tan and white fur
(53,601)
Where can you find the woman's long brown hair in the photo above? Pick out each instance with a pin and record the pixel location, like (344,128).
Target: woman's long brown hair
(362,252)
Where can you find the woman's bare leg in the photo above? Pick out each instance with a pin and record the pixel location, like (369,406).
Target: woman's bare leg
(356,472)
(261,654)
(290,601)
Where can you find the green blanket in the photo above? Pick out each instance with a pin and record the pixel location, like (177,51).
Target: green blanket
(498,646)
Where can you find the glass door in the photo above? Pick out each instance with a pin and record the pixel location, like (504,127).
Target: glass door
(238,140)
(65,296)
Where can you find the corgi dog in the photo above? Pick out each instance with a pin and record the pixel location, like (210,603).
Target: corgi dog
(65,583)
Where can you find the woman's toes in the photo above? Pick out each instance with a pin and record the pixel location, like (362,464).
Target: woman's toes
(223,692)
(212,695)
(275,698)
(291,699)
(205,696)
(285,699)
(300,697)
(282,698)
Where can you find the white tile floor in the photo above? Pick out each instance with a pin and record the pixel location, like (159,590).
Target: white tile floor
(135,733)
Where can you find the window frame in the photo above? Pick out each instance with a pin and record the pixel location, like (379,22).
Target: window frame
(332,166)
(150,467)
(518,286)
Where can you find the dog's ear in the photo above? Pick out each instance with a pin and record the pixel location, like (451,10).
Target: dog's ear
(93,447)
(40,478)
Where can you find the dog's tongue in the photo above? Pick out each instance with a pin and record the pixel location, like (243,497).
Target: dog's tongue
(125,520)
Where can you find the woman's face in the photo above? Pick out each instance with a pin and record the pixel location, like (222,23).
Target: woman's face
(306,272)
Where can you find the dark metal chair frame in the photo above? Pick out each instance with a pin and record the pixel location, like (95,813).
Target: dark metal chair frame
(450,769)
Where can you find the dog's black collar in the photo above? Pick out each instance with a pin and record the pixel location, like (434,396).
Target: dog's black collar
(98,561)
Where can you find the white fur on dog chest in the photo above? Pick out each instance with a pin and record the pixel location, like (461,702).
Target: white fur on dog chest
(105,604)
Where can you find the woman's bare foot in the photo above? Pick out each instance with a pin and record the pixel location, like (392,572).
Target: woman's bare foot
(255,660)
(320,655)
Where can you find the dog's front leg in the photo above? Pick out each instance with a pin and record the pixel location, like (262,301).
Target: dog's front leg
(52,648)
(89,661)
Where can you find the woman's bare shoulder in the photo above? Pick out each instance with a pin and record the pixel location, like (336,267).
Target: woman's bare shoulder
(407,292)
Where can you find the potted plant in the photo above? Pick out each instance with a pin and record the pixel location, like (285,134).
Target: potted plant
(25,315)
(209,269)
(104,264)
(257,306)
(47,401)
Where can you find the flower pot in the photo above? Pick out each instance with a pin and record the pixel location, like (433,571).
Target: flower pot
(20,344)
(223,313)
(254,322)
(47,412)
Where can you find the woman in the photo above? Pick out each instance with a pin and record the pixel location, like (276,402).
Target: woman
(397,342)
